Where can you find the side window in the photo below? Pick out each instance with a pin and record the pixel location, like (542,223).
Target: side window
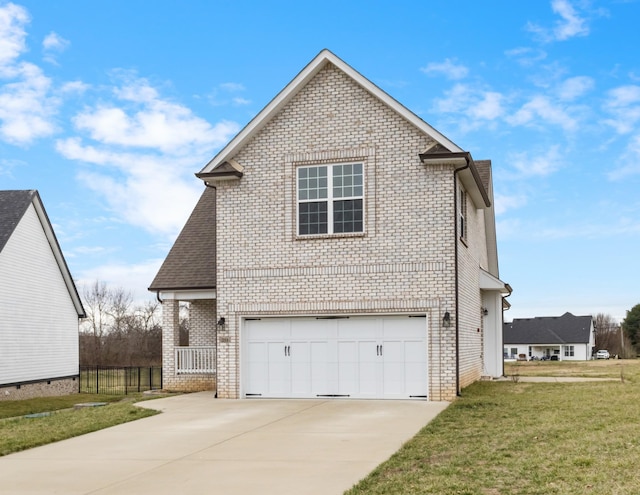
(330,199)
(462,207)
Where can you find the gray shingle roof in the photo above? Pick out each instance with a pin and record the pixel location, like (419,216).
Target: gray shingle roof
(191,262)
(13,204)
(565,329)
(484,171)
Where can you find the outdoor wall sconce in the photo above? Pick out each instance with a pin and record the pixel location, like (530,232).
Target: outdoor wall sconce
(446,320)
(485,311)
(221,323)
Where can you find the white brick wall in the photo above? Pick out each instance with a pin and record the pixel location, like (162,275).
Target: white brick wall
(403,263)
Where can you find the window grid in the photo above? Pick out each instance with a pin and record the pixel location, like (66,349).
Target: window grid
(330,199)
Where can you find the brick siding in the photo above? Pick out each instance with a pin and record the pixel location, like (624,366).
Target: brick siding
(403,263)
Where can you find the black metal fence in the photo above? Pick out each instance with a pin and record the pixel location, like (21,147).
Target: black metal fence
(119,380)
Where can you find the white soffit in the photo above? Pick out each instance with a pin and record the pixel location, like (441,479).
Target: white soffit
(489,282)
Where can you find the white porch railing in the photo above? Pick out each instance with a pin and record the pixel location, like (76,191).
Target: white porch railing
(200,359)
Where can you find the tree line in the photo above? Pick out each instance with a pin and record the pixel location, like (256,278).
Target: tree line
(116,332)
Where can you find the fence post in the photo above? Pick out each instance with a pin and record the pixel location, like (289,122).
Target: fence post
(97,379)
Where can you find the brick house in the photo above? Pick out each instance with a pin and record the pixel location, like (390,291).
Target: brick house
(342,247)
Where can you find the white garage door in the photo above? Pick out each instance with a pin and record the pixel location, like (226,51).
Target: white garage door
(356,357)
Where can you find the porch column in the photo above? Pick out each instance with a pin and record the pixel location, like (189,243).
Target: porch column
(170,339)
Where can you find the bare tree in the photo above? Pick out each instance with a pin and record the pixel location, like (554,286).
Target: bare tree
(115,333)
(610,336)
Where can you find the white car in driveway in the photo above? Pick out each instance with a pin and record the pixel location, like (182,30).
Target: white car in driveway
(602,354)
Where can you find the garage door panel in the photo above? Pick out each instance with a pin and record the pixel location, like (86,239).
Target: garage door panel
(279,373)
(257,372)
(359,357)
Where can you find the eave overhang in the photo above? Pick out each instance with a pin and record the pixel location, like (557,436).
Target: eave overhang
(489,282)
(469,176)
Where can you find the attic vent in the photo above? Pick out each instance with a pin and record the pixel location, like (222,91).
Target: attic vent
(436,148)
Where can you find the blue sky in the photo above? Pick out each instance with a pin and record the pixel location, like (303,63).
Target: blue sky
(108,108)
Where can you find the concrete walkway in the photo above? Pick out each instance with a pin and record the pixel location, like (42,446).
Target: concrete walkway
(202,445)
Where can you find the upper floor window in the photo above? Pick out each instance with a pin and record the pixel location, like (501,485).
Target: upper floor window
(463,214)
(330,199)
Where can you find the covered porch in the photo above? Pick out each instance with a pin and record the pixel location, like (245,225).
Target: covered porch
(191,365)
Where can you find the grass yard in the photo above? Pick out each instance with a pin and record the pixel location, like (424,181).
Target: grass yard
(513,437)
(18,432)
(629,369)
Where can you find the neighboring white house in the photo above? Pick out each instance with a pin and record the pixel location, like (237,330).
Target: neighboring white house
(342,247)
(39,303)
(565,338)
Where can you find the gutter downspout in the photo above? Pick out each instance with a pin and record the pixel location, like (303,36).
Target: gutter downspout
(206,184)
(457,288)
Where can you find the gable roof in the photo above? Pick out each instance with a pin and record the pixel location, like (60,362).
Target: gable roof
(190,265)
(565,329)
(13,206)
(213,169)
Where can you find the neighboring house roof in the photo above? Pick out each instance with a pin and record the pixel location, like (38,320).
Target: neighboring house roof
(565,329)
(191,263)
(13,205)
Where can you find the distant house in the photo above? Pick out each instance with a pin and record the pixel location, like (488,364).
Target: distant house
(39,303)
(342,247)
(567,337)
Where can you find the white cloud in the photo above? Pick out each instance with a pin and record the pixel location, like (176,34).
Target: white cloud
(54,42)
(489,107)
(131,277)
(74,87)
(449,68)
(13,19)
(241,101)
(630,160)
(623,104)
(526,56)
(52,45)
(541,164)
(146,149)
(472,101)
(541,110)
(26,108)
(504,203)
(156,193)
(232,86)
(575,87)
(147,121)
(570,24)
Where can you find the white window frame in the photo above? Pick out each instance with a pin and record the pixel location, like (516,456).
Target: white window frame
(330,199)
(569,351)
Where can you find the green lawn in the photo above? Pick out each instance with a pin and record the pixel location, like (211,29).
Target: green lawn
(18,432)
(512,437)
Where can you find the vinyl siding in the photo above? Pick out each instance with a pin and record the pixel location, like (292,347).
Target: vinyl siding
(38,321)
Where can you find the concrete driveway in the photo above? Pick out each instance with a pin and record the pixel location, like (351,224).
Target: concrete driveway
(204,445)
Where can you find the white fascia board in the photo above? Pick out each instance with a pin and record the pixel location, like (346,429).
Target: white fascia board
(291,89)
(187,295)
(489,282)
